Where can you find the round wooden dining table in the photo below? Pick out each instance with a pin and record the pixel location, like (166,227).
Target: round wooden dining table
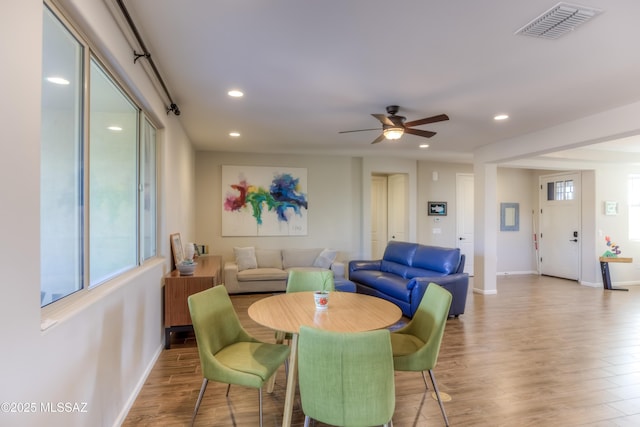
(347,312)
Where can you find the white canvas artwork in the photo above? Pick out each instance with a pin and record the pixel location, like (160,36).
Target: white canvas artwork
(264,201)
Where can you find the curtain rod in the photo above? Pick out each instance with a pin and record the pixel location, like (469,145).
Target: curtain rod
(172,107)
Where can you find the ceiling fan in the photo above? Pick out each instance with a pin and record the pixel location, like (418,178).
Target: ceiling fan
(393,126)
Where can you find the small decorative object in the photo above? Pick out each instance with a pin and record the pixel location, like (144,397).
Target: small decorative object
(321,297)
(613,251)
(176,248)
(187,267)
(437,208)
(189,251)
(610,208)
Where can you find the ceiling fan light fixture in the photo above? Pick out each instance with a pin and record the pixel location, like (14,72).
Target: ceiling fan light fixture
(393,133)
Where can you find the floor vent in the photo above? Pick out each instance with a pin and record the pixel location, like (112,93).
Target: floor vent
(558,21)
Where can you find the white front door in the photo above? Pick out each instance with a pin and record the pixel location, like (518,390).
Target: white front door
(464,219)
(560,225)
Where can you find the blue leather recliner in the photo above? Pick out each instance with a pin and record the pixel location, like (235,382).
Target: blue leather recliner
(405,271)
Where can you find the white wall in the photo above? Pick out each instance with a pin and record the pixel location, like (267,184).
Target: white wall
(444,190)
(516,253)
(611,184)
(102,346)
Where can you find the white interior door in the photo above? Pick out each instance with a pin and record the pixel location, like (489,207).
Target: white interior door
(397,207)
(378,215)
(560,225)
(464,219)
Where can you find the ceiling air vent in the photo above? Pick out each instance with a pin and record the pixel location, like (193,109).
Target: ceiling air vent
(559,20)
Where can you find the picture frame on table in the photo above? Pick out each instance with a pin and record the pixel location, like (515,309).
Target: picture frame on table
(176,248)
(437,208)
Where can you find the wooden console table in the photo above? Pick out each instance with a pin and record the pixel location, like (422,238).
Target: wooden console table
(177,289)
(604,267)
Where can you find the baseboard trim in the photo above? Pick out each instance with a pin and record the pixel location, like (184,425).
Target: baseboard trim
(132,398)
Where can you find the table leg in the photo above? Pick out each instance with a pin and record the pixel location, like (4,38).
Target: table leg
(606,278)
(291,382)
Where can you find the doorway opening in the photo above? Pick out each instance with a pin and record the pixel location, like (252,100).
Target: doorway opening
(389,210)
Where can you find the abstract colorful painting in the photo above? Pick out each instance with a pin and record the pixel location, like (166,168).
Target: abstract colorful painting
(264,201)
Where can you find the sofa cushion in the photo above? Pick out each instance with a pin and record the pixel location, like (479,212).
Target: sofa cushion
(245,258)
(400,252)
(444,260)
(259,274)
(299,257)
(411,272)
(269,258)
(394,268)
(325,258)
(386,283)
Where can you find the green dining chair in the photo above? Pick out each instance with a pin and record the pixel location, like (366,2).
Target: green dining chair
(310,280)
(416,346)
(228,354)
(346,379)
(307,280)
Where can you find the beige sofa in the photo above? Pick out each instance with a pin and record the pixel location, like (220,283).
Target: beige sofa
(266,270)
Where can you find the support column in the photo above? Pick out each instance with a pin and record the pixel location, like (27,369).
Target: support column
(485,228)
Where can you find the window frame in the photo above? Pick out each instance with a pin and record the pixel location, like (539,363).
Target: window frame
(91,53)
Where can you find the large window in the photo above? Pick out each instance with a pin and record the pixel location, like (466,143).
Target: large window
(113,168)
(634,207)
(148,194)
(98,170)
(61,180)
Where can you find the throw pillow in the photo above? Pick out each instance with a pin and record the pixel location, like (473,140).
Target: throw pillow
(245,258)
(269,258)
(325,258)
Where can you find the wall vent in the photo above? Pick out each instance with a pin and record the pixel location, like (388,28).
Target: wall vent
(558,21)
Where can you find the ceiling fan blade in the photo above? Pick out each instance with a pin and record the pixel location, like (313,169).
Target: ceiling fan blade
(378,139)
(434,119)
(425,133)
(383,119)
(359,130)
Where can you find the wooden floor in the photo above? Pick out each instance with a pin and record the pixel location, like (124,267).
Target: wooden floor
(542,352)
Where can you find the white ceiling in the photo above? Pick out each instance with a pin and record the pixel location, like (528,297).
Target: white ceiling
(310,69)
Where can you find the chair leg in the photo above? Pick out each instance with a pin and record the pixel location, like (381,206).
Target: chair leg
(425,380)
(435,387)
(260,399)
(202,389)
(306,421)
(228,388)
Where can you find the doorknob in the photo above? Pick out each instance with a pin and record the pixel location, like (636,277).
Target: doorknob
(461,238)
(573,240)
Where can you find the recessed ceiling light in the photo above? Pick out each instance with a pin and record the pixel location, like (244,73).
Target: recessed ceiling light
(424,145)
(115,128)
(234,134)
(58,80)
(501,117)
(235,93)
